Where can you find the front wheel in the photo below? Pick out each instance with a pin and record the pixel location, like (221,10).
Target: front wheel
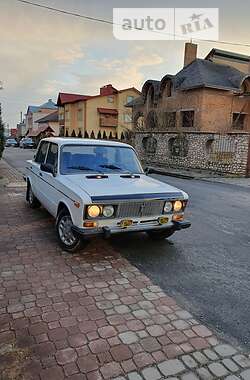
(32,200)
(67,238)
(161,234)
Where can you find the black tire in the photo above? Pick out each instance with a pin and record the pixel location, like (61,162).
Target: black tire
(160,235)
(30,197)
(68,240)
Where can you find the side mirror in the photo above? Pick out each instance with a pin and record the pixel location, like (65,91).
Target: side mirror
(47,168)
(147,171)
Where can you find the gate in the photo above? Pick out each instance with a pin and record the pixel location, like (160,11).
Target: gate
(222,150)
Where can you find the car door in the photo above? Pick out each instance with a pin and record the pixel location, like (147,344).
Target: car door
(51,193)
(38,185)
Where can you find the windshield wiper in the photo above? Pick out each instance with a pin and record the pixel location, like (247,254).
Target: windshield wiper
(112,167)
(84,168)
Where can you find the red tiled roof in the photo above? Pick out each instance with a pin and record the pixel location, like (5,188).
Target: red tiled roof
(109,111)
(64,97)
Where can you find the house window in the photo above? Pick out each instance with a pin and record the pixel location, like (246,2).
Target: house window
(238,120)
(79,115)
(130,98)
(187,119)
(67,115)
(169,89)
(127,118)
(110,99)
(170,119)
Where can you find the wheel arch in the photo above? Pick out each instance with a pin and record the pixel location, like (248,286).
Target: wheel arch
(62,205)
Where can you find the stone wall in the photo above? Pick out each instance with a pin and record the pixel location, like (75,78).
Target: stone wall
(227,153)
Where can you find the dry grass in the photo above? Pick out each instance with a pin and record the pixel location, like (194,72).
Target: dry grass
(12,360)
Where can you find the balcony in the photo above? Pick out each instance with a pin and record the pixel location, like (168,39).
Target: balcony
(108,121)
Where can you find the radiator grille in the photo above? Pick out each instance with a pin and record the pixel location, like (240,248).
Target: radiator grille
(140,209)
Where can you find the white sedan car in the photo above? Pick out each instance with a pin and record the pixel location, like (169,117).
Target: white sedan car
(98,187)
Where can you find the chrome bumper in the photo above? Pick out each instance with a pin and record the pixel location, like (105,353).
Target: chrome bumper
(106,232)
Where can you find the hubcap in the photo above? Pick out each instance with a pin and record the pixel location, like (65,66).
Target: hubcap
(65,231)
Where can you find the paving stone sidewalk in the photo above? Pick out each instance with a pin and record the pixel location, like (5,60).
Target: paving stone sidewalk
(92,315)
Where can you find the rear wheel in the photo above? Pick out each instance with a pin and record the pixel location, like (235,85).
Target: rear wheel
(32,200)
(160,235)
(67,238)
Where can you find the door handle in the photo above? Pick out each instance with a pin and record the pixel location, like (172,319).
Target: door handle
(41,174)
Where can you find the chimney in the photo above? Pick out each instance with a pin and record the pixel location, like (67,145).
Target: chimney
(107,90)
(190,53)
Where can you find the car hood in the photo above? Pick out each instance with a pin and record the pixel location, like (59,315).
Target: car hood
(117,187)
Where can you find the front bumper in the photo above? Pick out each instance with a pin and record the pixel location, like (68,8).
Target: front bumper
(106,232)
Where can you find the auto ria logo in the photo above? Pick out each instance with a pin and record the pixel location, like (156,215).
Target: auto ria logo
(165,23)
(197,24)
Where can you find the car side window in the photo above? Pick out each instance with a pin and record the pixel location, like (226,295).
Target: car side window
(42,151)
(52,156)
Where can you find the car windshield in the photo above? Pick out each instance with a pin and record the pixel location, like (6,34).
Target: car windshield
(28,140)
(98,159)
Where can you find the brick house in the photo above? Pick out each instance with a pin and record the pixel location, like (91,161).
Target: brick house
(203,96)
(201,103)
(99,116)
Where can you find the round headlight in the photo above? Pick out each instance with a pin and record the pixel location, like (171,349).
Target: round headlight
(168,207)
(177,206)
(94,211)
(108,211)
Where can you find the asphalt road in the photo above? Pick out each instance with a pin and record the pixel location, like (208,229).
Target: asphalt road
(206,268)
(17,157)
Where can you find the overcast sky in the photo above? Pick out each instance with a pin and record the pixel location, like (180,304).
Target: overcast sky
(43,52)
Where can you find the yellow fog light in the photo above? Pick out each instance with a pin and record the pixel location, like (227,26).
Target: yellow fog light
(177,206)
(89,224)
(163,220)
(94,211)
(178,217)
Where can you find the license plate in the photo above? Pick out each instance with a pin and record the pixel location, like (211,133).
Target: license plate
(163,220)
(126,223)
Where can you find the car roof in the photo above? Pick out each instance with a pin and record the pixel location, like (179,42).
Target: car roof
(81,141)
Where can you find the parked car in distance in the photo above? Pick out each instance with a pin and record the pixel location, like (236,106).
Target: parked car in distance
(27,143)
(11,142)
(98,187)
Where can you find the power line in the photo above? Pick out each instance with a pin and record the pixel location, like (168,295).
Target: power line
(101,20)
